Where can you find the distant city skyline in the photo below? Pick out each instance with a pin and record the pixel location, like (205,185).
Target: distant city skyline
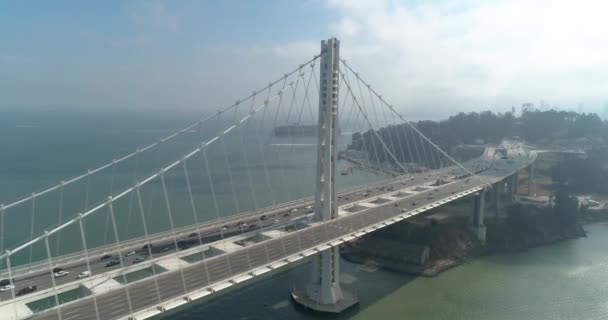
(429,59)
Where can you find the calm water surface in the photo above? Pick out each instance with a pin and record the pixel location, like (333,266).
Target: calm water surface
(568,280)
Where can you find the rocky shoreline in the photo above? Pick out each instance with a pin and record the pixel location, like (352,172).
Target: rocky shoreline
(425,247)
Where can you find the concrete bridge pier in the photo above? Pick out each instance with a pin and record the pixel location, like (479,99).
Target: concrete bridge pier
(498,197)
(512,186)
(477,225)
(531,170)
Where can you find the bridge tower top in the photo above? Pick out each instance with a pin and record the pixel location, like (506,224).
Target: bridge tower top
(325,198)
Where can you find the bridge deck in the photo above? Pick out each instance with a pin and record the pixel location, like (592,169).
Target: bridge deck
(204,277)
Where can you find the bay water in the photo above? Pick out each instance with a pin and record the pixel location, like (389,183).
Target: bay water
(568,280)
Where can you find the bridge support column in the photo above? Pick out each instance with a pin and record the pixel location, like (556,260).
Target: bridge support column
(324,293)
(530,178)
(512,191)
(498,197)
(477,225)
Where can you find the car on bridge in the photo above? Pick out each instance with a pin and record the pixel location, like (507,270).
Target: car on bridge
(83,274)
(7,287)
(112,263)
(105,257)
(139,259)
(5,282)
(185,244)
(60,273)
(27,290)
(130,253)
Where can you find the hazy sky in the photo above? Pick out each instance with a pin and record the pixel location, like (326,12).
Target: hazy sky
(430,58)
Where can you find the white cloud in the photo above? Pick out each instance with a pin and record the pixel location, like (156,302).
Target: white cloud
(346,27)
(463,54)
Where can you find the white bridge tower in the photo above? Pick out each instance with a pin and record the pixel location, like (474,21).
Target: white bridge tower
(324,292)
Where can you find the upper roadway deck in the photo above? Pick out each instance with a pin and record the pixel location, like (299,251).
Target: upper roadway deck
(362,210)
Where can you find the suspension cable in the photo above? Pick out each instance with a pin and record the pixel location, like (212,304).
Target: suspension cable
(86,254)
(52,274)
(408,123)
(156,143)
(172,225)
(147,237)
(371,126)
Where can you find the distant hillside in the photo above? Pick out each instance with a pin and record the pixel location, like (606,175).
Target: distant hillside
(482,127)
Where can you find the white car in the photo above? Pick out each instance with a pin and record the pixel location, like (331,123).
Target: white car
(130,253)
(7,287)
(83,274)
(61,273)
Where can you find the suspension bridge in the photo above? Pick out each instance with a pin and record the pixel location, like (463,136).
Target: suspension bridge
(221,202)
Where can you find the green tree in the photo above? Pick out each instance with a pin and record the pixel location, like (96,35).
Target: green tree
(565,205)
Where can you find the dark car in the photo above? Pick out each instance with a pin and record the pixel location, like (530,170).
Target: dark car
(105,257)
(57,269)
(6,282)
(112,263)
(263,217)
(185,244)
(139,259)
(27,290)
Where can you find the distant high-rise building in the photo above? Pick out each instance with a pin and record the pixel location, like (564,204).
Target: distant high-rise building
(527,107)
